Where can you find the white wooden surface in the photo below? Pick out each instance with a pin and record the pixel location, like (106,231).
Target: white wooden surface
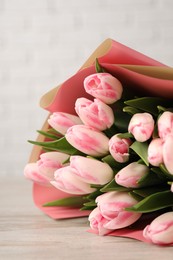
(26,233)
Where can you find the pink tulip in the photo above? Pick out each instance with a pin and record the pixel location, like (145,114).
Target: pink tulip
(160,231)
(130,175)
(97,222)
(141,126)
(165,124)
(155,153)
(31,172)
(95,114)
(51,161)
(119,148)
(61,122)
(104,87)
(88,140)
(91,170)
(67,181)
(112,207)
(168,153)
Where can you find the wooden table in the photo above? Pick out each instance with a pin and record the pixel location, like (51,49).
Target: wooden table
(26,233)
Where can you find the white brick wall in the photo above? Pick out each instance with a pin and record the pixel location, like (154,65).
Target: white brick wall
(43,42)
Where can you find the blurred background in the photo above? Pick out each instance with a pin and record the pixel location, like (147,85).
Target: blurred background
(44,42)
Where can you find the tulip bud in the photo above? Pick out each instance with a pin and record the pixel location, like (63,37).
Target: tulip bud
(160,231)
(155,153)
(119,148)
(51,161)
(31,172)
(62,121)
(104,87)
(95,114)
(131,174)
(97,222)
(88,140)
(112,207)
(141,126)
(168,153)
(165,124)
(67,181)
(91,170)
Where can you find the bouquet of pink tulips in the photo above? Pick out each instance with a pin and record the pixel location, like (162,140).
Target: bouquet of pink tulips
(111,159)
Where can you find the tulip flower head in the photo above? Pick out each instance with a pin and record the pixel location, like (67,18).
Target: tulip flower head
(104,87)
(112,214)
(155,152)
(91,170)
(98,222)
(131,174)
(119,148)
(165,124)
(88,140)
(141,126)
(51,161)
(67,181)
(31,172)
(94,113)
(61,122)
(160,231)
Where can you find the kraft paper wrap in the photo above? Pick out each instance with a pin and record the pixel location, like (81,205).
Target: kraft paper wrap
(135,71)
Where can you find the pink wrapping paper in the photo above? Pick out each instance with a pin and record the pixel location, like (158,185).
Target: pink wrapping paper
(44,194)
(137,72)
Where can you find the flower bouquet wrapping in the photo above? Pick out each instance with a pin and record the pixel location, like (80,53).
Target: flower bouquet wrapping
(106,148)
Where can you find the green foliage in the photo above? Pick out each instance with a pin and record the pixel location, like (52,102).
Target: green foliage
(49,134)
(148,104)
(113,186)
(60,145)
(98,67)
(154,202)
(76,202)
(141,149)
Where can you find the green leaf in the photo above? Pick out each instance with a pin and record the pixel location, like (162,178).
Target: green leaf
(109,160)
(154,202)
(125,135)
(135,196)
(116,166)
(98,67)
(67,202)
(121,122)
(150,179)
(165,171)
(49,135)
(97,186)
(58,145)
(113,186)
(53,131)
(109,132)
(90,204)
(131,110)
(141,149)
(155,132)
(93,195)
(161,109)
(160,173)
(147,104)
(87,208)
(147,191)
